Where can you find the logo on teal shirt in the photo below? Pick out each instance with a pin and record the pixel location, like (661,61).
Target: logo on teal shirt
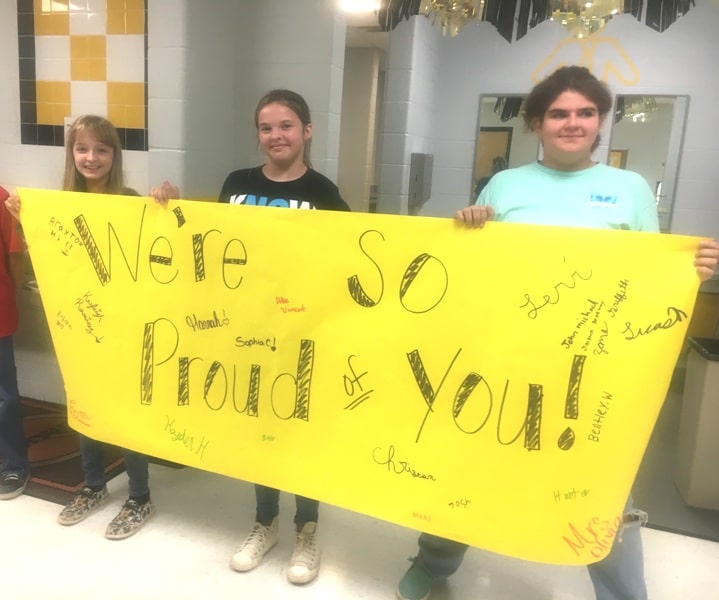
(602,200)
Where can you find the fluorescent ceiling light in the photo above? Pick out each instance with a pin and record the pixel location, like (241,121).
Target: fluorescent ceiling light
(359,6)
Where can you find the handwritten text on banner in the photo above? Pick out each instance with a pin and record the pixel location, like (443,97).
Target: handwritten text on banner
(495,386)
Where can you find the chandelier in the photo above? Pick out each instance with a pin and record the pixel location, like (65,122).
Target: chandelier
(449,16)
(582,19)
(513,18)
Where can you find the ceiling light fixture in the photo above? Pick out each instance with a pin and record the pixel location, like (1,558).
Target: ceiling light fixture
(359,6)
(449,16)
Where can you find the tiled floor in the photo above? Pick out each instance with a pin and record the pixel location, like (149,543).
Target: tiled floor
(183,554)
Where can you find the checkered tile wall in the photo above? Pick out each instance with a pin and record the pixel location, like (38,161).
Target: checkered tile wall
(82,57)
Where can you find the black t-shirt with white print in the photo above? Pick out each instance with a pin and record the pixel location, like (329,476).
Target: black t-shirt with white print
(311,191)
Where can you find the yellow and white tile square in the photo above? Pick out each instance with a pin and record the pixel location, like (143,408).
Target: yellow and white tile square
(90,57)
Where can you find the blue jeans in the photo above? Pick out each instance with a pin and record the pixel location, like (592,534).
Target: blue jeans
(618,576)
(13,447)
(268,507)
(93,465)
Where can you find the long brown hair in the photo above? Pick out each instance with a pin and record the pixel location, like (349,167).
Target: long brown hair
(106,133)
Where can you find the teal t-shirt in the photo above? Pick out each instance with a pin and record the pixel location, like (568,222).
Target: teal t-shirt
(600,196)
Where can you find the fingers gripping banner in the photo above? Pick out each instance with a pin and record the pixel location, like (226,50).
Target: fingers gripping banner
(494,386)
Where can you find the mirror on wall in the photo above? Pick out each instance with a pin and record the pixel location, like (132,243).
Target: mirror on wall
(501,139)
(647,138)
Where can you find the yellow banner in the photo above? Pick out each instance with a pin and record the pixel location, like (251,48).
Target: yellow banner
(494,386)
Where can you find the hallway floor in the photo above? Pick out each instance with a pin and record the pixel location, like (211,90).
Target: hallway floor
(184,551)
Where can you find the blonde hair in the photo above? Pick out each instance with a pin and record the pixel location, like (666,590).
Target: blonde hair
(104,132)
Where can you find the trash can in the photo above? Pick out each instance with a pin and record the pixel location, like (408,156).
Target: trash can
(696,468)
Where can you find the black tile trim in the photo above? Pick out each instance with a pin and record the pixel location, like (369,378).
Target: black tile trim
(25,6)
(28,112)
(50,135)
(133,139)
(28,133)
(28,91)
(26,46)
(25,24)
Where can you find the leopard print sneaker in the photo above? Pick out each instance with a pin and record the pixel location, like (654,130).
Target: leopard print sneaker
(129,520)
(85,502)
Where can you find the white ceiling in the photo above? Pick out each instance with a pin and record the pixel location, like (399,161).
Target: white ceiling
(364,31)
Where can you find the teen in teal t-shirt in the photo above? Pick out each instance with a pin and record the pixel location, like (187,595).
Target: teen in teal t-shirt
(599,196)
(567,188)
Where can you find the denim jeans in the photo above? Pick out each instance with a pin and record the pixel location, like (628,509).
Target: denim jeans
(268,507)
(618,576)
(93,465)
(13,447)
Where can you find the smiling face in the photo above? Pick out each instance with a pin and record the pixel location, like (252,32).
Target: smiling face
(568,131)
(93,160)
(282,136)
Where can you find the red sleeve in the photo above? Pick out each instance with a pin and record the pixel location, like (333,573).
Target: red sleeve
(9,227)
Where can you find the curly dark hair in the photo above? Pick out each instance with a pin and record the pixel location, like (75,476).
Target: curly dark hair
(575,78)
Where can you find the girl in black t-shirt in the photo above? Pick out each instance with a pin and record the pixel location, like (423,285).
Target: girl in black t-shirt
(287,179)
(284,132)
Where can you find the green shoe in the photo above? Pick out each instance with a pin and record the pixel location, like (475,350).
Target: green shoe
(416,584)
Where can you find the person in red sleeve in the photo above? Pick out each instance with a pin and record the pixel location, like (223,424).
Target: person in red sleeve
(15,468)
